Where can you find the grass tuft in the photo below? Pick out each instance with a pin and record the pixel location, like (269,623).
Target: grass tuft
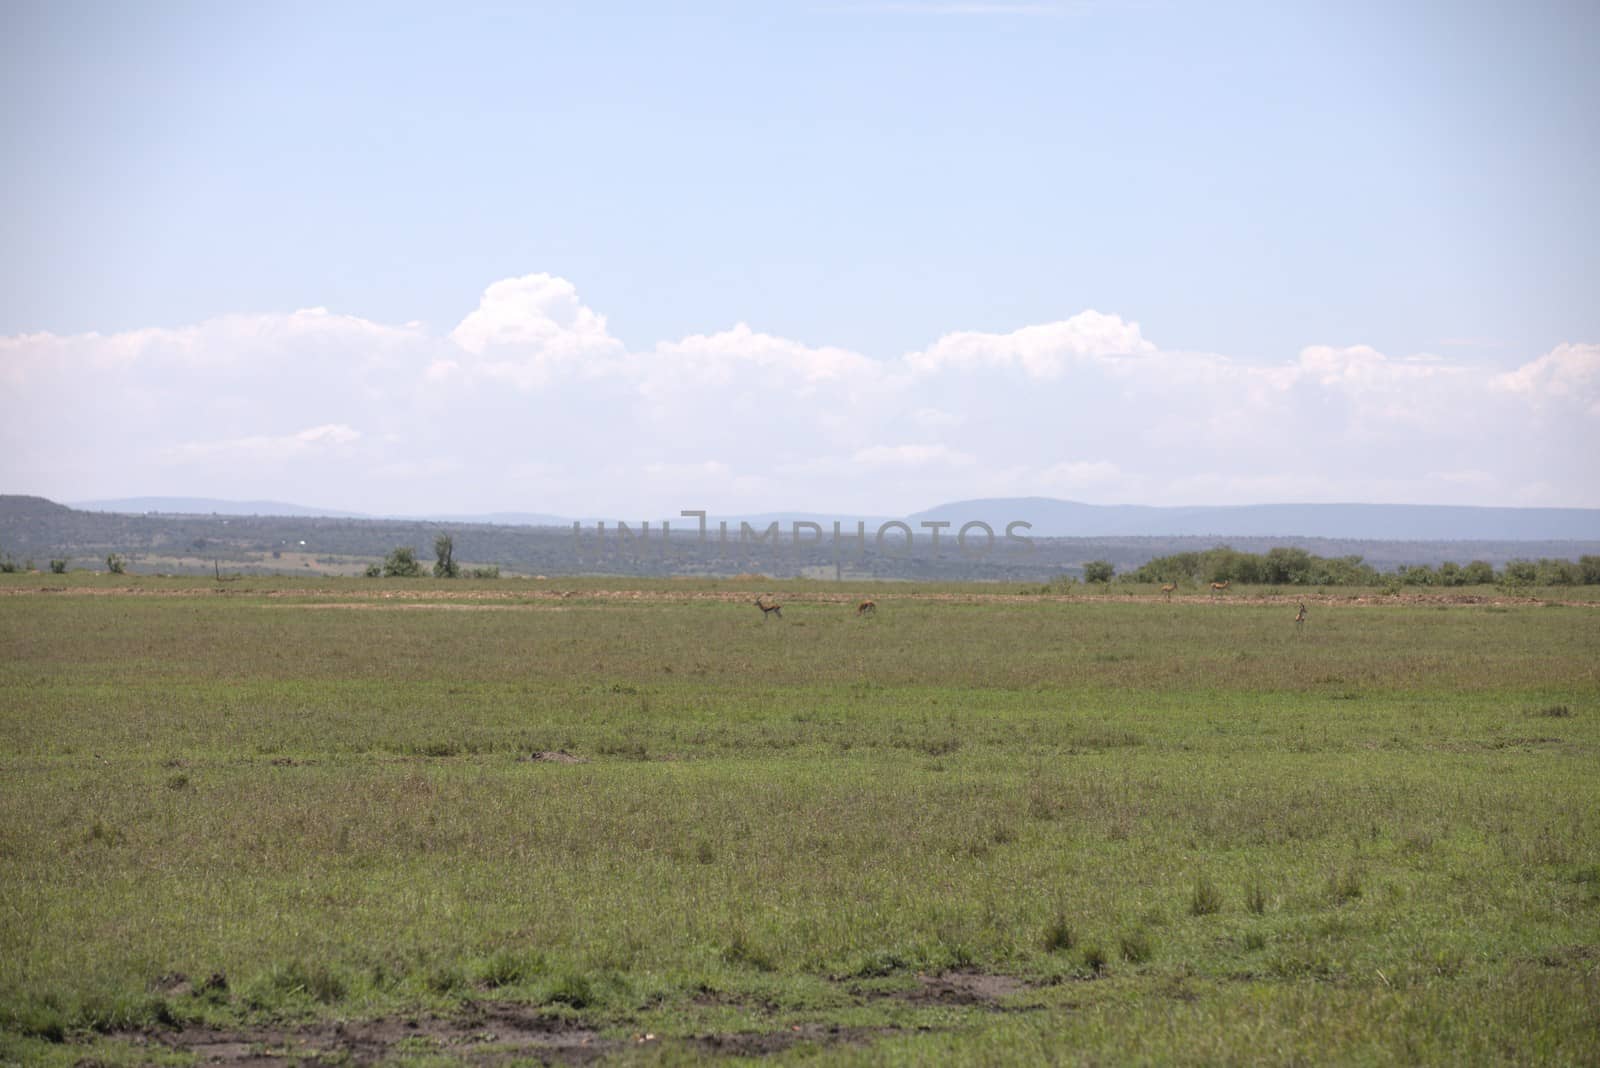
(1344,885)
(1206,898)
(1135,946)
(1058,937)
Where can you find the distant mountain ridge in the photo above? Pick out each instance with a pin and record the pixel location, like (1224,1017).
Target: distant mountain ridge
(1389,522)
(215,506)
(1049,517)
(208,506)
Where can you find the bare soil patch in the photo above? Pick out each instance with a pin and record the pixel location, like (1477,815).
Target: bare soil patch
(483,1034)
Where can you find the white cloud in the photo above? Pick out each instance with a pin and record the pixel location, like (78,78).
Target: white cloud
(1044,351)
(1567,372)
(261,446)
(936,418)
(526,329)
(892,456)
(703,359)
(530,404)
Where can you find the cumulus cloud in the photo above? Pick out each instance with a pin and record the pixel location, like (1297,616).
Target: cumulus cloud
(1044,351)
(530,404)
(717,358)
(527,329)
(1566,372)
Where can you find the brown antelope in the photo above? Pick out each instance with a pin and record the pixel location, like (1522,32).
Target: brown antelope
(768,604)
(1300,617)
(1218,587)
(1166,591)
(867,608)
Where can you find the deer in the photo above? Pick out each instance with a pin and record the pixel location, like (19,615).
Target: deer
(768,604)
(1218,587)
(1166,591)
(1300,617)
(867,608)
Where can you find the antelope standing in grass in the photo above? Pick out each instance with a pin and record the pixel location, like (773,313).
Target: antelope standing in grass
(1300,617)
(768,604)
(867,608)
(1218,587)
(1166,591)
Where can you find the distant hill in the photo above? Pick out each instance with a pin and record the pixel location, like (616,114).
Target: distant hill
(216,506)
(34,531)
(206,506)
(1387,522)
(499,519)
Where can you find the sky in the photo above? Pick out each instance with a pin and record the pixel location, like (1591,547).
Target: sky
(625,259)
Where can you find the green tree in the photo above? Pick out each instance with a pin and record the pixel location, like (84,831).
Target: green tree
(1286,565)
(1559,573)
(444,547)
(1098,571)
(116,564)
(1477,573)
(1521,573)
(401,563)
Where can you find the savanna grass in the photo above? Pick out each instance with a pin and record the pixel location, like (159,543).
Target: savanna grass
(1198,828)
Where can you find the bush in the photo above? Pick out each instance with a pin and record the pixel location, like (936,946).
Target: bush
(1478,573)
(115,564)
(401,563)
(58,567)
(1521,573)
(1098,571)
(1558,573)
(490,572)
(374,571)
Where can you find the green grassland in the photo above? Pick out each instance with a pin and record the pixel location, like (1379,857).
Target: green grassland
(1124,830)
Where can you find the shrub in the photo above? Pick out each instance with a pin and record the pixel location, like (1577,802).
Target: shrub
(115,564)
(374,571)
(1478,573)
(58,567)
(401,563)
(1558,573)
(1521,573)
(1098,571)
(490,572)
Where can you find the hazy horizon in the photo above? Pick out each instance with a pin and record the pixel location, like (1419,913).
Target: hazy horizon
(851,258)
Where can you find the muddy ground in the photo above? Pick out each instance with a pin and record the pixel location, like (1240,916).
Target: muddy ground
(498,1032)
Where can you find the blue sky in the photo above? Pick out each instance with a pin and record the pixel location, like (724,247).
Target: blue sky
(1223,253)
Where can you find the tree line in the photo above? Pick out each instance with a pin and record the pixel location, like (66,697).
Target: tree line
(1286,566)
